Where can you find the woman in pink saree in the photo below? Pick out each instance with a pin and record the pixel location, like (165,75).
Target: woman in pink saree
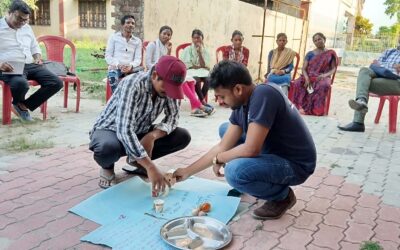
(311,89)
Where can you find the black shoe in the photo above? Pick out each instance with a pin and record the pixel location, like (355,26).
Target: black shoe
(353,127)
(275,209)
(134,168)
(359,105)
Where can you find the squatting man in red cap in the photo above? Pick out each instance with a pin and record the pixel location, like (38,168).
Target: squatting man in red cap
(125,126)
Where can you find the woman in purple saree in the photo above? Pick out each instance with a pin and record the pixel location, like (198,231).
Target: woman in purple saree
(311,89)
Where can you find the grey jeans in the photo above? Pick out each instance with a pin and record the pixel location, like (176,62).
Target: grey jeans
(367,82)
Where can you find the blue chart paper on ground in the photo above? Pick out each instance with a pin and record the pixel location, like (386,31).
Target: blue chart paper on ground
(130,232)
(123,211)
(134,195)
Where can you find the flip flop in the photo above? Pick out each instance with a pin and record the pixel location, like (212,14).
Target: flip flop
(107,181)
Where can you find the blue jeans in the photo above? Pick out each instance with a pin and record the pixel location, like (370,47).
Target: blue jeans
(266,176)
(114,77)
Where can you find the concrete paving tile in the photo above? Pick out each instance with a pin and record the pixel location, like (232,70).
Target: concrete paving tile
(364,215)
(279,226)
(389,213)
(313,182)
(328,236)
(321,172)
(349,246)
(262,240)
(349,189)
(357,233)
(325,191)
(314,247)
(304,193)
(296,209)
(337,218)
(318,205)
(308,220)
(340,171)
(245,226)
(385,230)
(68,239)
(392,199)
(355,178)
(237,242)
(333,180)
(372,188)
(344,203)
(296,239)
(369,200)
(387,245)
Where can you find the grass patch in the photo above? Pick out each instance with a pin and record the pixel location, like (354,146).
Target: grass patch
(23,144)
(91,70)
(370,245)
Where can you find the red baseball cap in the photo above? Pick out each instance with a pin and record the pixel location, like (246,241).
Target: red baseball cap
(173,72)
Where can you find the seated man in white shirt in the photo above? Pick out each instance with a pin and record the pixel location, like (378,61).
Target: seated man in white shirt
(124,52)
(19,45)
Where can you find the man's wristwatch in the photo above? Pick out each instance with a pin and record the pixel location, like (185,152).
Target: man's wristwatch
(216,162)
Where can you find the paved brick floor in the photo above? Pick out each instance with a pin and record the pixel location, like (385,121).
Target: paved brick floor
(330,213)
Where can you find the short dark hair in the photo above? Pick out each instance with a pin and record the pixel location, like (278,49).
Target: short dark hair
(165,27)
(123,19)
(319,34)
(227,74)
(236,33)
(280,35)
(19,5)
(197,32)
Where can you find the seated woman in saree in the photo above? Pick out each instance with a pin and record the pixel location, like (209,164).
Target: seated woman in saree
(311,89)
(280,64)
(197,60)
(236,52)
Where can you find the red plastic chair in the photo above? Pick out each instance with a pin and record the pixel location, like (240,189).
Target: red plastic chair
(328,95)
(55,46)
(7,99)
(393,106)
(218,51)
(108,87)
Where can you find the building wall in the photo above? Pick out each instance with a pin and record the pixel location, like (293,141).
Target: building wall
(54,28)
(329,17)
(217,20)
(71,22)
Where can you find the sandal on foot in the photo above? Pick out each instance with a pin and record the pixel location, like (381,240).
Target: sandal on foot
(107,181)
(198,113)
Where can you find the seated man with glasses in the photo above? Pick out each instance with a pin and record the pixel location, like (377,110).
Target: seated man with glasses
(20,60)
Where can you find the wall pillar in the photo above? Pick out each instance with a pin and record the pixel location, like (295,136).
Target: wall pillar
(129,7)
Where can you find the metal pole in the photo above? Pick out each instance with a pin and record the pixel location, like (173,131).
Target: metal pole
(259,80)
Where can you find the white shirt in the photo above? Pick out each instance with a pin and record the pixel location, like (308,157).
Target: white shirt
(154,51)
(17,45)
(120,51)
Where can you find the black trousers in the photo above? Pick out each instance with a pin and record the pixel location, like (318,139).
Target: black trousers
(108,149)
(201,91)
(49,85)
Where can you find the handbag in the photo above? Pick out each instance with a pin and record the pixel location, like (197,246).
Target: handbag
(383,72)
(57,68)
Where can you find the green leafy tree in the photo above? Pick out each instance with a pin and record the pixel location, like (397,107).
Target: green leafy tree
(4,4)
(393,8)
(363,26)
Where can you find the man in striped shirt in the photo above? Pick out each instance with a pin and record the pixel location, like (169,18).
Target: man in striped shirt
(370,80)
(125,127)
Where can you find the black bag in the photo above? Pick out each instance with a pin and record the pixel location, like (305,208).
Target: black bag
(57,68)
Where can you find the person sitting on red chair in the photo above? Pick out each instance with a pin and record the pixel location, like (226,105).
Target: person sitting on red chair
(19,46)
(381,78)
(237,52)
(124,52)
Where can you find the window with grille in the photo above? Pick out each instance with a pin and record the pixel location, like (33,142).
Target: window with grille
(41,15)
(92,14)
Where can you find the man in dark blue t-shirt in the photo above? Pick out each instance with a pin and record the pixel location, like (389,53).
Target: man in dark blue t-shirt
(266,147)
